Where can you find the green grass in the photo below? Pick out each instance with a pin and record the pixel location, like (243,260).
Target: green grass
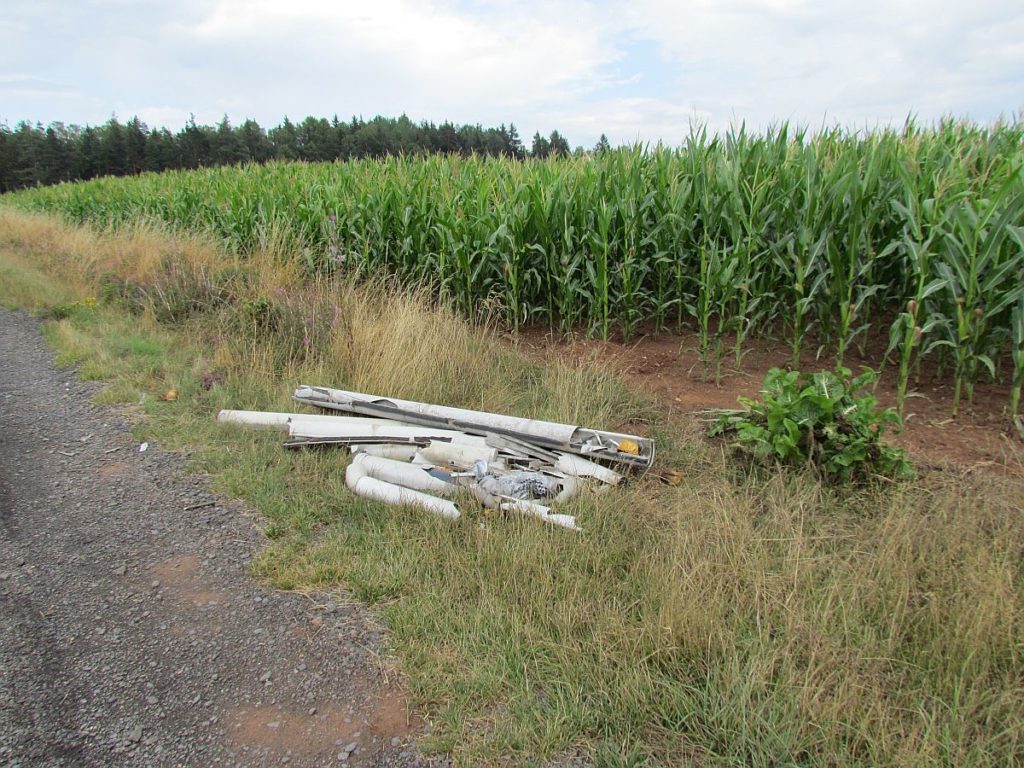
(737,619)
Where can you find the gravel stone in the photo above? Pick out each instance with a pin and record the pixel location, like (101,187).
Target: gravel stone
(135,636)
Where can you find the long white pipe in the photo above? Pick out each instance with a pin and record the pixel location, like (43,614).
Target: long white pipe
(398,452)
(541,512)
(445,453)
(562,433)
(277,420)
(360,483)
(335,427)
(267,419)
(371,488)
(327,420)
(580,467)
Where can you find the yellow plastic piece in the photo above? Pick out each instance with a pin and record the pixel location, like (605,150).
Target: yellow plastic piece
(629,446)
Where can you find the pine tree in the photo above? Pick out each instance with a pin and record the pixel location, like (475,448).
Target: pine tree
(86,164)
(226,145)
(559,147)
(194,145)
(162,152)
(257,146)
(55,159)
(541,147)
(6,159)
(113,154)
(285,140)
(135,145)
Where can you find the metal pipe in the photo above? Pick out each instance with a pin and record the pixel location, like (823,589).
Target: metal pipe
(341,427)
(566,437)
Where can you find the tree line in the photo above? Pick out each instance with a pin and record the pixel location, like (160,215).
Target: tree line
(31,154)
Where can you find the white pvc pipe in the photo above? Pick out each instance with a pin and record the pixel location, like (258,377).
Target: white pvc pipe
(328,419)
(362,484)
(397,452)
(378,490)
(267,419)
(418,459)
(541,512)
(570,487)
(448,453)
(400,473)
(277,420)
(580,467)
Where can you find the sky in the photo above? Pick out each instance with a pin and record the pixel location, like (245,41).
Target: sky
(635,70)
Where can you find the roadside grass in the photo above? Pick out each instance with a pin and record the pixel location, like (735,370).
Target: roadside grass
(741,618)
(22,286)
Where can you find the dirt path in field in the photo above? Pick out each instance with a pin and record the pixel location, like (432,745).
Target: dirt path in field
(668,367)
(130,631)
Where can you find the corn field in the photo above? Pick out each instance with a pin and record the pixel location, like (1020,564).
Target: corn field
(831,239)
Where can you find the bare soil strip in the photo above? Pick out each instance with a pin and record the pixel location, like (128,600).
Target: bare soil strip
(668,367)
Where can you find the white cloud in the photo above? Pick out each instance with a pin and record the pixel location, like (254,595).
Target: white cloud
(633,69)
(852,62)
(631,120)
(442,57)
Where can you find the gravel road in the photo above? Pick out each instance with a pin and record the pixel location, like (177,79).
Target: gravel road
(130,631)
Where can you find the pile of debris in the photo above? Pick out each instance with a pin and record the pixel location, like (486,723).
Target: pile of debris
(424,455)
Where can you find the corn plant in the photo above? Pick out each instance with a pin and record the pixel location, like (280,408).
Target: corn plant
(1017,330)
(851,254)
(746,212)
(599,268)
(908,331)
(982,280)
(800,261)
(824,238)
(712,295)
